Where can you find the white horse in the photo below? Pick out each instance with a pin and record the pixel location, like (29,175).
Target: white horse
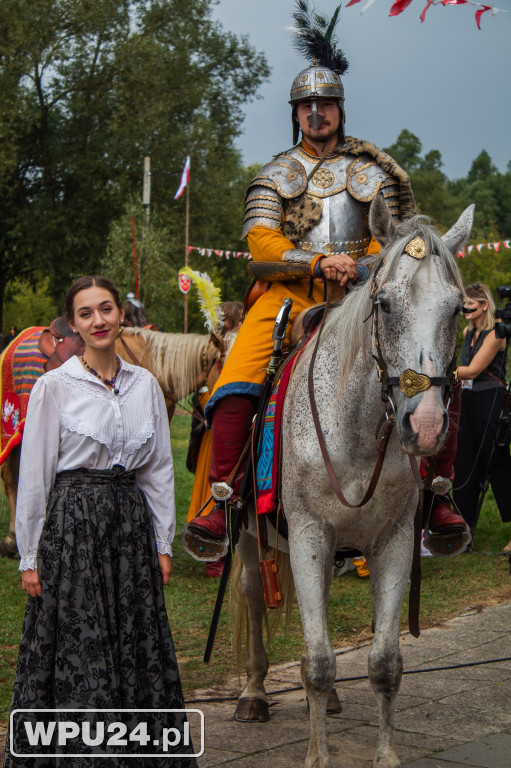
(410,306)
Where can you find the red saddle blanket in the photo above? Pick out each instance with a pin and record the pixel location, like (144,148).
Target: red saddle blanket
(21,364)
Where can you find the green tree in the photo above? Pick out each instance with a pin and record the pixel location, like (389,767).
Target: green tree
(87,90)
(491,193)
(430,185)
(406,151)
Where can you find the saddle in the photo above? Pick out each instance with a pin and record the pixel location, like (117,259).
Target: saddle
(58,343)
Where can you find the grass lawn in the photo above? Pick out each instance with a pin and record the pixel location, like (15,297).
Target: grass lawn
(448,587)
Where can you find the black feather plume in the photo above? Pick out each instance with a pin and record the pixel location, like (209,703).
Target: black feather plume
(315,38)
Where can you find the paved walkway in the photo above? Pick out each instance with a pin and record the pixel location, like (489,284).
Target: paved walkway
(450,718)
(444,719)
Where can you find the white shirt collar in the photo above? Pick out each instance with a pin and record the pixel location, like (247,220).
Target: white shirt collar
(74,368)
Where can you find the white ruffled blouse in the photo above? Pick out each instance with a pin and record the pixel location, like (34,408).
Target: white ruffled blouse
(74,420)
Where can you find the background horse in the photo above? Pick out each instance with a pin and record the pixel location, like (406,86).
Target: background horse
(411,304)
(181,364)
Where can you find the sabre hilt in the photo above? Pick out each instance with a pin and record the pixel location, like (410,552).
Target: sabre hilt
(278,336)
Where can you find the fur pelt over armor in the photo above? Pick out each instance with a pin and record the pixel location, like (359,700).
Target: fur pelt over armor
(304,212)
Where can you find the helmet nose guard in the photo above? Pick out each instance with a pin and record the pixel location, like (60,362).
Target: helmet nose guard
(315,118)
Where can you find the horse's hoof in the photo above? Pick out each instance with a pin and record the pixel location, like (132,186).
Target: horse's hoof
(8,547)
(252,710)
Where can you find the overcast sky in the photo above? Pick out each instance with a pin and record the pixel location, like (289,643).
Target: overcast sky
(444,80)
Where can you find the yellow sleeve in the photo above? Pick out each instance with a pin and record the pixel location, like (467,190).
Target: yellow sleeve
(269,245)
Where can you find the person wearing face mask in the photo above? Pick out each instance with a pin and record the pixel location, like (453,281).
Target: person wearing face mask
(483,376)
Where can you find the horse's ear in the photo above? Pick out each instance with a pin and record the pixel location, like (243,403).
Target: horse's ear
(217,341)
(460,232)
(380,221)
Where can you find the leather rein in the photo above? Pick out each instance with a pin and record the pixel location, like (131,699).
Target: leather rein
(409,382)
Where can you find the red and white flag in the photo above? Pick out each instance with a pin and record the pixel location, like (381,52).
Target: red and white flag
(185,178)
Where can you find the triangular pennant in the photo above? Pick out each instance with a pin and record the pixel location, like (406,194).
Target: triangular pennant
(366,5)
(470,248)
(480,13)
(479,247)
(496,246)
(423,14)
(399,6)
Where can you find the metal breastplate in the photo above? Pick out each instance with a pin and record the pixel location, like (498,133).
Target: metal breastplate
(345,186)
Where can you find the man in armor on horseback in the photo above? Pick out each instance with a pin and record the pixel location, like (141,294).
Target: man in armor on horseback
(306,221)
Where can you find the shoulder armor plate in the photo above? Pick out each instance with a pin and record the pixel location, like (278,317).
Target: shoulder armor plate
(285,174)
(364,179)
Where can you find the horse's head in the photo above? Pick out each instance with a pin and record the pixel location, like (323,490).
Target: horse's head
(417,295)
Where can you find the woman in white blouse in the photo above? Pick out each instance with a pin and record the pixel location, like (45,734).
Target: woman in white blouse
(95,520)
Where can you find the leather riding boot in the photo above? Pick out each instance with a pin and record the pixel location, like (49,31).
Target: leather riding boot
(444,517)
(229,432)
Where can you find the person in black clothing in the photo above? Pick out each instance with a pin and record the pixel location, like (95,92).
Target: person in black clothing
(483,376)
(13,332)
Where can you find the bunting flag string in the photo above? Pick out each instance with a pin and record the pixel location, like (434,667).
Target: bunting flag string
(398,6)
(245,255)
(224,254)
(479,247)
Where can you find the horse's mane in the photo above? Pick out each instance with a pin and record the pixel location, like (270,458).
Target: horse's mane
(357,306)
(175,359)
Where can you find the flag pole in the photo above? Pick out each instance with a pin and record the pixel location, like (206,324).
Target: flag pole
(134,255)
(186,248)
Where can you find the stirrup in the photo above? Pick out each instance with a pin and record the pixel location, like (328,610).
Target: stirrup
(202,549)
(447,544)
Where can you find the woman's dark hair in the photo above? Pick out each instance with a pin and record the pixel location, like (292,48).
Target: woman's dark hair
(88,281)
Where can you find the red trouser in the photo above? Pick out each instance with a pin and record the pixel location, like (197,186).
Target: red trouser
(445,458)
(443,518)
(229,432)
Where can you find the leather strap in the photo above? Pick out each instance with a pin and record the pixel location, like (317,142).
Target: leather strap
(128,350)
(418,525)
(495,378)
(434,381)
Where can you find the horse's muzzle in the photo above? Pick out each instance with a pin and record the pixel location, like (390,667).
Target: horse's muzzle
(422,431)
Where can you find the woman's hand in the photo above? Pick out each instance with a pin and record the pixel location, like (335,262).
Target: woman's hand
(165,567)
(30,582)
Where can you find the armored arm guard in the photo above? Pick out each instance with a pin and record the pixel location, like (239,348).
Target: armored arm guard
(263,208)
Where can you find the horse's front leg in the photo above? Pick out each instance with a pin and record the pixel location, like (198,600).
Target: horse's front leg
(252,704)
(312,553)
(389,567)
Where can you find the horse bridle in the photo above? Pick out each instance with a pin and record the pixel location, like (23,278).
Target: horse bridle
(409,382)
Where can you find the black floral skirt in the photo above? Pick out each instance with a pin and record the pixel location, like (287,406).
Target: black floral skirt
(99,637)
